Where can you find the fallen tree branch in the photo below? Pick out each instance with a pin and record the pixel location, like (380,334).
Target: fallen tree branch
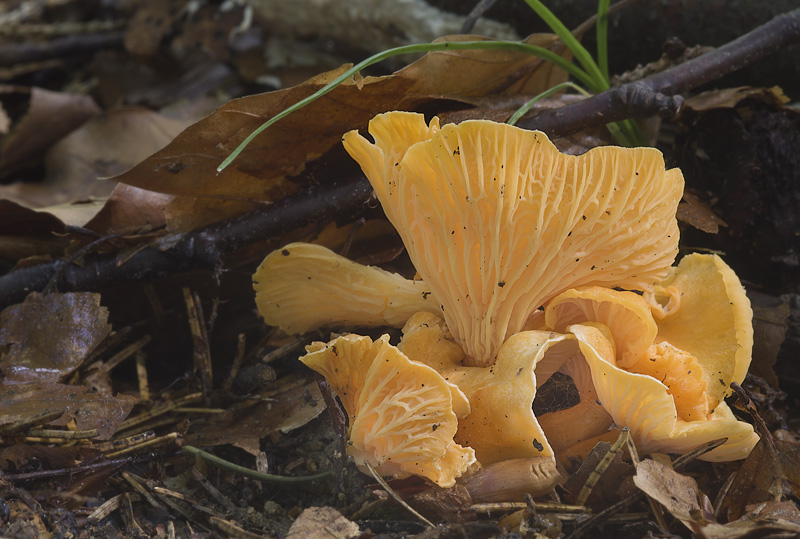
(347,199)
(344,200)
(658,94)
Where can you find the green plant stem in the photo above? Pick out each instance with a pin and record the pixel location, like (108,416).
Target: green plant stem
(533,50)
(523,110)
(599,82)
(602,37)
(267,478)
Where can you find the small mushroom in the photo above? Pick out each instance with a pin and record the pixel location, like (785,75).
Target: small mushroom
(707,314)
(669,390)
(497,221)
(402,414)
(501,424)
(303,287)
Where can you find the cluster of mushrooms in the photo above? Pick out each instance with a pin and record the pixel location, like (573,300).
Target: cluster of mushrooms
(529,262)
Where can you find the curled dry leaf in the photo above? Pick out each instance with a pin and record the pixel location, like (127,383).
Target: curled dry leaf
(39,118)
(88,410)
(47,337)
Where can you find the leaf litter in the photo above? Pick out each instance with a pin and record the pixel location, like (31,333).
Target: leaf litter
(146,401)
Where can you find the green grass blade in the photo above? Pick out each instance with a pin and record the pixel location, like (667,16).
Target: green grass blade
(255,474)
(533,50)
(599,83)
(523,110)
(602,37)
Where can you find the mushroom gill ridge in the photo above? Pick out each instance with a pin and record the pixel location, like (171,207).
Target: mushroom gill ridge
(497,221)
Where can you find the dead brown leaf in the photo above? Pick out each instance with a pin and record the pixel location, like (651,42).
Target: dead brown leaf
(187,166)
(730,97)
(296,402)
(697,213)
(88,410)
(38,118)
(770,315)
(104,146)
(150,24)
(676,492)
(48,336)
(760,479)
(25,232)
(606,491)
(322,523)
(769,519)
(130,210)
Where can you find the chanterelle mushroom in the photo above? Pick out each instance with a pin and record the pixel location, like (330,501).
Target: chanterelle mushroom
(501,424)
(403,414)
(667,383)
(303,287)
(497,220)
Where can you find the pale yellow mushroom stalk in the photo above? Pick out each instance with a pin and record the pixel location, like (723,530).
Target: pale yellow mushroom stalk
(497,221)
(303,287)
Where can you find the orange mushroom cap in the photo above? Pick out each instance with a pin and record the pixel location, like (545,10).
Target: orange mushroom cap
(403,414)
(643,404)
(708,315)
(303,287)
(667,382)
(497,221)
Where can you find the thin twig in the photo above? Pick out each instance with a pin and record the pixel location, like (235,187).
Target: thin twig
(477,12)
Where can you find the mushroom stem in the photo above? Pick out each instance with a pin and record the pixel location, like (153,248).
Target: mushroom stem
(511,480)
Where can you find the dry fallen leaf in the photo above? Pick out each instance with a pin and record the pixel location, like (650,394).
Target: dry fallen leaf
(770,315)
(88,410)
(48,336)
(697,213)
(730,97)
(38,118)
(322,523)
(296,403)
(187,166)
(25,232)
(758,480)
(678,493)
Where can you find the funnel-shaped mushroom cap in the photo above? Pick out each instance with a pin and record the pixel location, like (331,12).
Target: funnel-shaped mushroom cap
(303,287)
(403,414)
(501,424)
(627,316)
(497,221)
(643,404)
(708,315)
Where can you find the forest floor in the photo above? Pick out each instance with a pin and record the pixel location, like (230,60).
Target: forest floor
(130,338)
